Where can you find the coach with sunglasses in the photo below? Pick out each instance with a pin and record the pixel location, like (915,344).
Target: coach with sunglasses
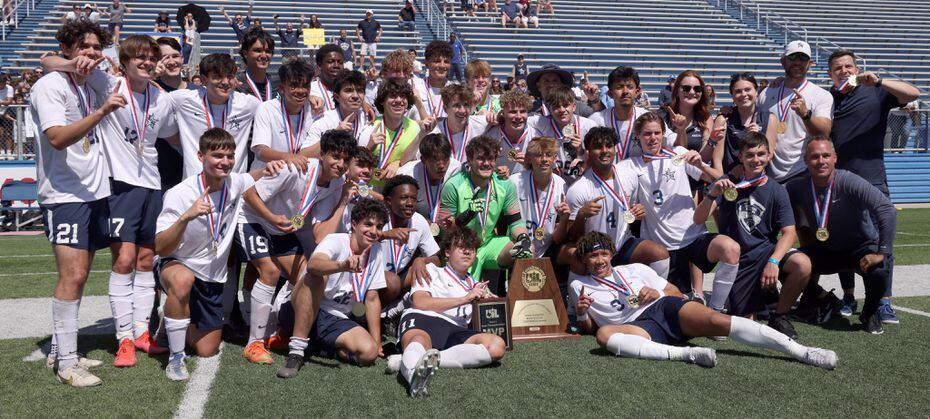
(801,108)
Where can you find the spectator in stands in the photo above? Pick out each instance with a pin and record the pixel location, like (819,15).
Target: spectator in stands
(448,7)
(348,49)
(803,110)
(290,39)
(469,9)
(417,65)
(530,14)
(240,24)
(315,22)
(406,19)
(510,13)
(763,84)
(116,12)
(196,80)
(368,31)
(545,5)
(520,70)
(455,71)
(191,41)
(162,22)
(643,100)
(711,97)
(74,14)
(861,103)
(496,88)
(90,14)
(509,84)
(689,114)
(665,96)
(549,76)
(522,86)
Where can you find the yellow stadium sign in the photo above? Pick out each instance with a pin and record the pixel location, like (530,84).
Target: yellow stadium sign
(314,37)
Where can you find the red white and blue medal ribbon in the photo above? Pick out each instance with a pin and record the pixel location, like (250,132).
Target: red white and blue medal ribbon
(435,108)
(782,109)
(519,142)
(139,124)
(618,198)
(306,199)
(397,252)
(822,212)
(355,123)
(216,223)
(618,284)
(625,140)
(460,153)
(748,183)
(254,87)
(361,280)
(327,96)
(483,219)
(541,209)
(83,100)
(432,201)
(544,110)
(385,150)
(665,153)
(208,110)
(842,87)
(558,132)
(293,138)
(467,283)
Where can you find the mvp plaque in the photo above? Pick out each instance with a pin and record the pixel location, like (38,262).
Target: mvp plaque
(489,315)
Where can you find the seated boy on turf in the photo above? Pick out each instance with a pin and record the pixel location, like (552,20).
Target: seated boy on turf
(193,238)
(637,314)
(343,271)
(434,332)
(753,212)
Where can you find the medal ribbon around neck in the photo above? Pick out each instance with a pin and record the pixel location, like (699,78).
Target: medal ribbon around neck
(541,211)
(544,110)
(307,200)
(434,108)
(822,212)
(483,219)
(361,280)
(519,142)
(618,284)
(432,201)
(559,135)
(625,140)
(748,183)
(254,87)
(396,256)
(618,198)
(460,154)
(215,222)
(139,125)
(384,150)
(665,153)
(355,123)
(327,96)
(293,138)
(782,110)
(83,98)
(467,283)
(208,110)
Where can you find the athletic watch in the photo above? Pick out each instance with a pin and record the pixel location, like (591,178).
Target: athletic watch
(808,115)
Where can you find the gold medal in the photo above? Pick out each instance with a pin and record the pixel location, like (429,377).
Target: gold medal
(781,127)
(364,191)
(629,217)
(358,309)
(678,160)
(378,173)
(539,234)
(216,248)
(730,194)
(512,155)
(632,301)
(297,221)
(85,144)
(853,81)
(823,234)
(568,130)
(434,229)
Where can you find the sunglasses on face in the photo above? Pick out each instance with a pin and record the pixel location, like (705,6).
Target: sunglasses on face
(798,57)
(688,89)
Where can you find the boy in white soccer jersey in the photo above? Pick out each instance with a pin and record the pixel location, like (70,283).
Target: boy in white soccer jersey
(434,168)
(635,313)
(282,124)
(216,105)
(322,94)
(72,186)
(194,237)
(438,58)
(754,210)
(669,212)
(459,125)
(435,332)
(357,177)
(542,198)
(278,211)
(515,130)
(567,128)
(348,115)
(345,273)
(256,49)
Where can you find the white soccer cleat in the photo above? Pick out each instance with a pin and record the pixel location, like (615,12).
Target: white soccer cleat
(423,373)
(77,376)
(85,363)
(705,357)
(177,368)
(823,358)
(393,364)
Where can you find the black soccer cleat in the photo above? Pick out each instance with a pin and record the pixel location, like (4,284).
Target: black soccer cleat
(780,323)
(291,366)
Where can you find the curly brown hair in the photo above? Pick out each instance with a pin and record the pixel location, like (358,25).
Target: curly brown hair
(74,31)
(461,237)
(393,87)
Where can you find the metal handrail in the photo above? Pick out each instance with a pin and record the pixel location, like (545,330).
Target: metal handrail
(14,14)
(439,25)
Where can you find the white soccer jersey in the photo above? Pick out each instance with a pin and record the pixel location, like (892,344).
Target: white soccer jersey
(610,306)
(330,120)
(519,143)
(340,292)
(545,199)
(610,220)
(270,129)
(428,192)
(72,174)
(431,98)
(319,90)
(322,210)
(445,284)
(666,195)
(283,193)
(190,110)
(399,255)
(788,156)
(196,248)
(624,130)
(477,125)
(547,127)
(145,117)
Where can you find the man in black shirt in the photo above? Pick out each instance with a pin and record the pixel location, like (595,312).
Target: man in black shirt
(368,33)
(406,19)
(290,38)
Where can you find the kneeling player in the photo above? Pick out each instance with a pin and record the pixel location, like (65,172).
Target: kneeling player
(193,238)
(434,333)
(637,314)
(345,273)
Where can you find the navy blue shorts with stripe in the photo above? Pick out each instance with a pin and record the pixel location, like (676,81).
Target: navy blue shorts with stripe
(442,334)
(660,320)
(81,225)
(133,213)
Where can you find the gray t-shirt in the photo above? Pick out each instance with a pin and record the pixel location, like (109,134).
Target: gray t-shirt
(116,13)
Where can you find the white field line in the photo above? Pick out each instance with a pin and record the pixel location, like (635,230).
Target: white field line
(44,273)
(197,393)
(912,311)
(43,255)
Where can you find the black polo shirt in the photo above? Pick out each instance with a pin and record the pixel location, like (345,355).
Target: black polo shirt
(860,119)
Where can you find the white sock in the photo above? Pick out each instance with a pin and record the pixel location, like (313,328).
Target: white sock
(298,345)
(120,290)
(177,333)
(750,333)
(143,298)
(661,267)
(633,346)
(466,355)
(723,281)
(245,307)
(261,296)
(412,354)
(65,328)
(53,345)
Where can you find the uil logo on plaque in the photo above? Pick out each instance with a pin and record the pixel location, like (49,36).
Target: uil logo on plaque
(489,315)
(536,308)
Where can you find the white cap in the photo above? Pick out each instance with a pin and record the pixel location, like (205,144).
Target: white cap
(369,12)
(87,6)
(797,46)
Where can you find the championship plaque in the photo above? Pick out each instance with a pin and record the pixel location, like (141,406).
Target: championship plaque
(489,315)
(536,308)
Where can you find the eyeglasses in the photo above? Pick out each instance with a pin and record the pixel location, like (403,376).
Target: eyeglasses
(688,89)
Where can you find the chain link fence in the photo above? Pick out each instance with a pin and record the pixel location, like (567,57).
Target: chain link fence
(17,133)
(908,131)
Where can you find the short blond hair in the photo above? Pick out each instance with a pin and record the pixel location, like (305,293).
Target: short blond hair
(476,68)
(540,145)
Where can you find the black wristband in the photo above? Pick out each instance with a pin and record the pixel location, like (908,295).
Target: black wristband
(879,83)
(808,115)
